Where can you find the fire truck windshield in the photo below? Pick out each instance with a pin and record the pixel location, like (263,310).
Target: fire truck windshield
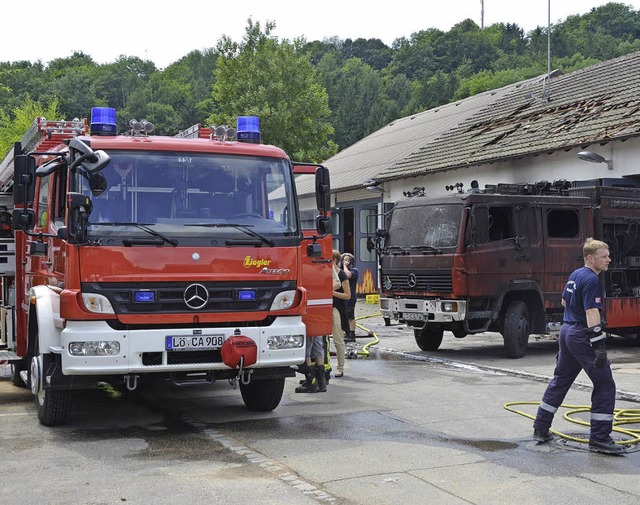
(424,227)
(189,195)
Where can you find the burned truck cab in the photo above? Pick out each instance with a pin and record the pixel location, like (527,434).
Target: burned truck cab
(498,259)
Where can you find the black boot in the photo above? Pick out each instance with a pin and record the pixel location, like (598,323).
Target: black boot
(349,336)
(321,379)
(310,385)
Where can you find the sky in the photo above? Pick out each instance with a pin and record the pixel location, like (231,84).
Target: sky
(165,31)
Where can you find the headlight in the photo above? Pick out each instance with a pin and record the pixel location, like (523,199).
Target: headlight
(283,300)
(97,303)
(285,341)
(449,307)
(95,348)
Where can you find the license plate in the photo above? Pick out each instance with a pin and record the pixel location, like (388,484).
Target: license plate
(413,316)
(194,342)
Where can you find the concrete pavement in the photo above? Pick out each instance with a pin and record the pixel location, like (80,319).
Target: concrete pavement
(486,351)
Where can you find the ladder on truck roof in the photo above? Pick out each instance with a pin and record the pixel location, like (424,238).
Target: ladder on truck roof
(42,135)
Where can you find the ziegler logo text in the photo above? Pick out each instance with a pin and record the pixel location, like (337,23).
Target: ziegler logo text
(250,262)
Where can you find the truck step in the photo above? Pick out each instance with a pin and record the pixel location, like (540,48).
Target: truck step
(191,379)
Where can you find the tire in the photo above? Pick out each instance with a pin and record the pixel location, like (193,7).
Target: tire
(427,338)
(16,368)
(52,404)
(516,329)
(262,395)
(459,333)
(387,321)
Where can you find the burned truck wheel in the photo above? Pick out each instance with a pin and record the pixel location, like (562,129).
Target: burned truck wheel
(262,395)
(516,329)
(428,339)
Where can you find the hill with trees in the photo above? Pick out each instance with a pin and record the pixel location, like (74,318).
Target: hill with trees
(314,98)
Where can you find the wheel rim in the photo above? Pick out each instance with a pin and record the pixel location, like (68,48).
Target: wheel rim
(35,375)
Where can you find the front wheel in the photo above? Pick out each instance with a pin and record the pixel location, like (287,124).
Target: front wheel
(52,405)
(262,395)
(427,338)
(516,329)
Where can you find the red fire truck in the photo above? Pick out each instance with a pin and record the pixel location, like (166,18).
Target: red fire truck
(133,257)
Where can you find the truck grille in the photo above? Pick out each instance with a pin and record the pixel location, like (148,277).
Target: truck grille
(169,297)
(433,281)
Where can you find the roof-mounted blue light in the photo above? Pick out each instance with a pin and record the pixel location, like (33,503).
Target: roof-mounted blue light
(103,121)
(248,129)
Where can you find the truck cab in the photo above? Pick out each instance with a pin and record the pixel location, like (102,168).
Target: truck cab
(498,259)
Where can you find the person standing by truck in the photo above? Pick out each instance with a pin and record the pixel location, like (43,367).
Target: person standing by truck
(349,267)
(341,293)
(582,347)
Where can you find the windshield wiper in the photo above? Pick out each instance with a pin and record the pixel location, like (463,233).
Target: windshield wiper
(396,249)
(427,248)
(246,228)
(142,227)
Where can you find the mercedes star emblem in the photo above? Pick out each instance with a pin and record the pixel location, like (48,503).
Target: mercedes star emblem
(412,280)
(196,296)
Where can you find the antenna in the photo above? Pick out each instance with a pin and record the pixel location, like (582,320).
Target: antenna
(546,94)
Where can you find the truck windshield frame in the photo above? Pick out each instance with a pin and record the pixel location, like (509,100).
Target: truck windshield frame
(194,195)
(430,227)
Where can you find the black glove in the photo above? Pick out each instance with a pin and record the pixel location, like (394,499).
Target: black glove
(601,357)
(598,341)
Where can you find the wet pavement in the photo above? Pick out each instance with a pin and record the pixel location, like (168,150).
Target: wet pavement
(402,426)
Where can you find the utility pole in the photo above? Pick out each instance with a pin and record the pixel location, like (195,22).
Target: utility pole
(482,14)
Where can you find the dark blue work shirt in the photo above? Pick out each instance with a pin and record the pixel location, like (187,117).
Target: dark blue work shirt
(583,291)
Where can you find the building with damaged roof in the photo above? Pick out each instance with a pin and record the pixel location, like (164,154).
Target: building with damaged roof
(524,132)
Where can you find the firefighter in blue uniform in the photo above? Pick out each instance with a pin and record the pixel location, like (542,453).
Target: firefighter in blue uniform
(582,347)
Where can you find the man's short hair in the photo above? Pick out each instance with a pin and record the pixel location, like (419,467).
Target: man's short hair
(591,245)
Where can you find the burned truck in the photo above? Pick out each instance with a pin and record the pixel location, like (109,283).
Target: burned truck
(497,260)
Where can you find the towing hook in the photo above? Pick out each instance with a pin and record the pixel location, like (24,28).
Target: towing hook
(131,382)
(245,376)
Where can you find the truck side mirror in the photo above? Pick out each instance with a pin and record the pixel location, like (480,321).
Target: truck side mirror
(23,219)
(323,225)
(24,180)
(323,189)
(97,184)
(78,201)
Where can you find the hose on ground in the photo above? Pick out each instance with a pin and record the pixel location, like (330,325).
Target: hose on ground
(352,354)
(621,417)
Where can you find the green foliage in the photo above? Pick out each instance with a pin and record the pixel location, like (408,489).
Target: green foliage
(274,80)
(311,96)
(14,125)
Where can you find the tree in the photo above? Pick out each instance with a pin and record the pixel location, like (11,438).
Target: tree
(274,80)
(358,101)
(14,125)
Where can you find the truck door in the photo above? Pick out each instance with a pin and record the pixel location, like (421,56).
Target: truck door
(316,274)
(564,235)
(501,250)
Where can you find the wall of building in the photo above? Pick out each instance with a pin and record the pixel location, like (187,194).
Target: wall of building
(550,167)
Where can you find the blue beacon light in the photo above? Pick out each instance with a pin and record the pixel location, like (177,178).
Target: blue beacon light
(103,121)
(248,129)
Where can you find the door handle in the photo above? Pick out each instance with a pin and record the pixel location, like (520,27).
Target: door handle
(523,257)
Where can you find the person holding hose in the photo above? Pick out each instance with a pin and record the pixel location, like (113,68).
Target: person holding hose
(582,347)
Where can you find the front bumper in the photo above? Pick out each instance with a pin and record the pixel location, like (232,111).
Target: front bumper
(415,311)
(143,351)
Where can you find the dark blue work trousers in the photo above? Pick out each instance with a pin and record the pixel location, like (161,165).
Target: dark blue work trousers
(576,354)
